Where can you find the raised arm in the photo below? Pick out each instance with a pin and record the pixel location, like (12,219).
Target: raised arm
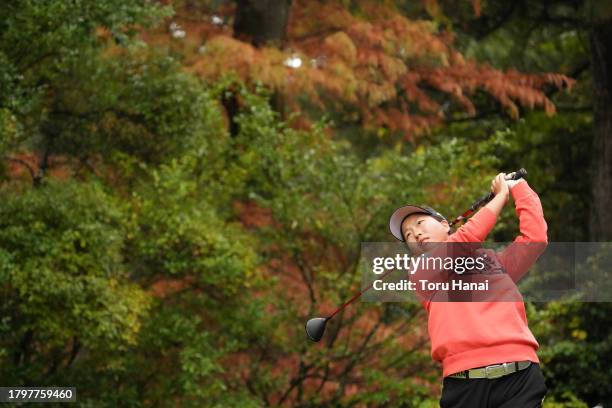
(478,227)
(519,256)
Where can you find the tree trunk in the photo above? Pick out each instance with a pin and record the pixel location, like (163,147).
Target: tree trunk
(261,21)
(601,58)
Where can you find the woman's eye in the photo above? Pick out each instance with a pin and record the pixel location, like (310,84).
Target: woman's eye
(420,221)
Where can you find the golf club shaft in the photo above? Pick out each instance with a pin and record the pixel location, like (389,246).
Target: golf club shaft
(357,296)
(485,199)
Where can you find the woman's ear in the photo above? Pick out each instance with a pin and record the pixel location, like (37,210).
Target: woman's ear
(447,225)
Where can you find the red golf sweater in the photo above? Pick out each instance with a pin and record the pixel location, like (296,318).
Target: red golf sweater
(466,335)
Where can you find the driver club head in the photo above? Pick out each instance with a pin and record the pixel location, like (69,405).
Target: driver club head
(315,328)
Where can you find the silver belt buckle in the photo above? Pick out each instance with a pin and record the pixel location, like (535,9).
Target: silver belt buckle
(495,371)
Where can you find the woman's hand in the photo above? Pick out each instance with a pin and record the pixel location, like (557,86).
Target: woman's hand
(512,183)
(499,187)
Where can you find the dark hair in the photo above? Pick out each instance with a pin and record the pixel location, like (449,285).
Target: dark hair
(436,215)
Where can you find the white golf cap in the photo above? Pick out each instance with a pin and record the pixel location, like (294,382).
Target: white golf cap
(399,215)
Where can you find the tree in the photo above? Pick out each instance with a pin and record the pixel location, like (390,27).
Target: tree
(64,287)
(261,21)
(601,60)
(363,60)
(100,270)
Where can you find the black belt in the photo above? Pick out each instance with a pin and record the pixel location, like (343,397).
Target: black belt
(492,371)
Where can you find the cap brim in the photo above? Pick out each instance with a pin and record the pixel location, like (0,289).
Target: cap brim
(395,222)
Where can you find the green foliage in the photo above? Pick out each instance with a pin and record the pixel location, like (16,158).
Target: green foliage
(144,106)
(567,400)
(556,153)
(78,264)
(317,184)
(40,39)
(180,234)
(574,337)
(63,277)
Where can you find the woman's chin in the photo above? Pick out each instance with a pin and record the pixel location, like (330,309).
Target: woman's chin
(427,246)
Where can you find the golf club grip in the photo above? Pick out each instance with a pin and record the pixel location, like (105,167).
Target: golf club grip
(519,174)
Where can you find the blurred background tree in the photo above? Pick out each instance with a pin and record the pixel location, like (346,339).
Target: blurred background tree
(185,184)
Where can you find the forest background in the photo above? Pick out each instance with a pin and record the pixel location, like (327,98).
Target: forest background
(183,184)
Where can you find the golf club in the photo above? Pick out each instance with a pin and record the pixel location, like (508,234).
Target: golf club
(315,327)
(486,198)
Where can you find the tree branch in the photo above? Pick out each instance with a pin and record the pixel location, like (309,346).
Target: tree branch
(23,163)
(24,344)
(76,347)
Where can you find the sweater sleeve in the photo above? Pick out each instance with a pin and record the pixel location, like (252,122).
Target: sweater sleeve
(476,228)
(521,254)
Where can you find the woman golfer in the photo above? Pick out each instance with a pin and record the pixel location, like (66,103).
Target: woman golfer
(487,352)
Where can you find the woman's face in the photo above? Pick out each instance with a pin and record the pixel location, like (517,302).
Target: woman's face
(420,231)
